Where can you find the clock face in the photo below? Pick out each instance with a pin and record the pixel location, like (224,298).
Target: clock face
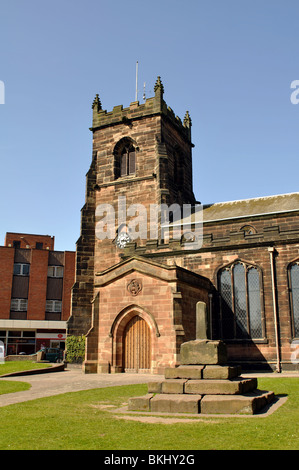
(122,240)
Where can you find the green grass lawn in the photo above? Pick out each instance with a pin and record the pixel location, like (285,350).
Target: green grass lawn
(17,366)
(11,387)
(76,421)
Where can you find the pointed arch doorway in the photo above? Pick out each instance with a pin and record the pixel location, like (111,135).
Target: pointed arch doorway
(137,346)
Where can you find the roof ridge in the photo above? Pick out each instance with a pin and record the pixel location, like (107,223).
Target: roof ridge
(252,199)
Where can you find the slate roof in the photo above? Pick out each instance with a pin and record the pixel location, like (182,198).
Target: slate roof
(251,207)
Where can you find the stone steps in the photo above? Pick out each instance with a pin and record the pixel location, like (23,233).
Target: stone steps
(204,404)
(203,383)
(205,389)
(202,372)
(204,386)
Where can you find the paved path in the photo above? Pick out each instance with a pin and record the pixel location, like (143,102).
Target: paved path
(69,380)
(74,380)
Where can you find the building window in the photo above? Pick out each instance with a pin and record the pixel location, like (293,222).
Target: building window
(19,305)
(55,271)
(248,229)
(39,245)
(53,306)
(16,244)
(18,342)
(240,302)
(124,158)
(294,296)
(127,161)
(21,269)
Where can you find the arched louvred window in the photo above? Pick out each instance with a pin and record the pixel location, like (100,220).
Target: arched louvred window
(127,164)
(240,302)
(294,296)
(124,158)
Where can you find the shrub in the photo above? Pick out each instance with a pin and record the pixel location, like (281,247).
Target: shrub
(75,349)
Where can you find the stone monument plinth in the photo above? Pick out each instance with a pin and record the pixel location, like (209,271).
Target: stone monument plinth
(204,382)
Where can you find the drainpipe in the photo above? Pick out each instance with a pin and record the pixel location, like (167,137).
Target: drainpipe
(211,314)
(271,251)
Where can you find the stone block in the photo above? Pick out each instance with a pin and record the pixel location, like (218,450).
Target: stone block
(220,387)
(140,403)
(237,404)
(154,387)
(269,395)
(225,404)
(248,385)
(221,372)
(184,372)
(90,367)
(173,386)
(202,324)
(203,352)
(176,403)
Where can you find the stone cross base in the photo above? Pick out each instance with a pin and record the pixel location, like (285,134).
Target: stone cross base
(203,351)
(205,389)
(203,383)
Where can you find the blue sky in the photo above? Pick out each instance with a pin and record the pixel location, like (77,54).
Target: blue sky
(230,63)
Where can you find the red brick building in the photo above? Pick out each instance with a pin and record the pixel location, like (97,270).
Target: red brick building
(135,299)
(35,293)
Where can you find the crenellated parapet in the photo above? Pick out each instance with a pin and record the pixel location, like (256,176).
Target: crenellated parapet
(152,106)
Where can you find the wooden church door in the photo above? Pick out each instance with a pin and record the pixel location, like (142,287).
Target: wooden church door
(137,346)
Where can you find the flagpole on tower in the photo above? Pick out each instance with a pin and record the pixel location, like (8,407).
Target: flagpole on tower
(136,96)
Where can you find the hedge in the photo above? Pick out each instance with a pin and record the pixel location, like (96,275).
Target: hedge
(75,349)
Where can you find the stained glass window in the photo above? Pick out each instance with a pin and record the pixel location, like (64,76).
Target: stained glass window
(241,312)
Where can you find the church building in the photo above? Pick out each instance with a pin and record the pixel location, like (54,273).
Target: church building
(135,297)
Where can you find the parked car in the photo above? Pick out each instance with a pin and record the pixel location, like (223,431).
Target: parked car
(53,355)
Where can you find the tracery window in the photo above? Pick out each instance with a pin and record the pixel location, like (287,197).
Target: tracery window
(240,301)
(293,272)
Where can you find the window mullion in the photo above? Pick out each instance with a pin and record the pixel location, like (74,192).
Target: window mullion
(128,161)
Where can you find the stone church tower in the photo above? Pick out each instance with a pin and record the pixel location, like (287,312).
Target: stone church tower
(142,153)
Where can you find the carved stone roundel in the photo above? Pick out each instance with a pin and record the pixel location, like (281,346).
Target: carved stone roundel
(134,287)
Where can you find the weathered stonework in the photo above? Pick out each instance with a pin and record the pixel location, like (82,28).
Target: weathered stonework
(203,351)
(205,389)
(216,389)
(249,232)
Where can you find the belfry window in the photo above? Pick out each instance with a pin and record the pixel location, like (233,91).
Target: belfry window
(127,161)
(124,158)
(240,302)
(294,296)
